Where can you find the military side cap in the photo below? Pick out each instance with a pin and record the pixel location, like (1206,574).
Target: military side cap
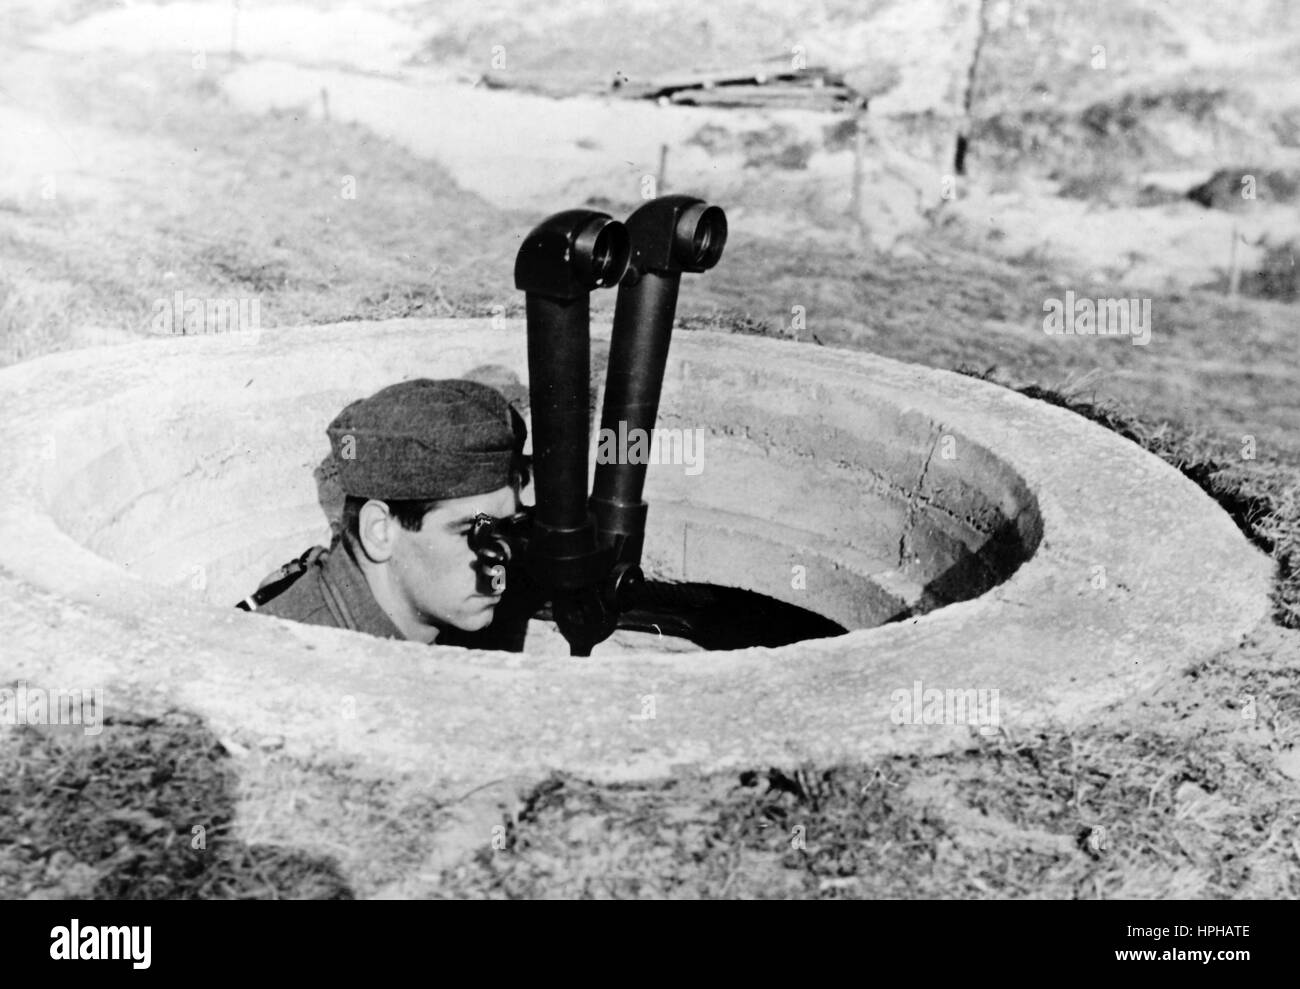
(426,439)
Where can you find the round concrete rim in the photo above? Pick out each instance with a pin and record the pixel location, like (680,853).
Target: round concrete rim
(1180,584)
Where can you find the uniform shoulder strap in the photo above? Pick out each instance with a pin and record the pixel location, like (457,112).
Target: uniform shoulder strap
(281,580)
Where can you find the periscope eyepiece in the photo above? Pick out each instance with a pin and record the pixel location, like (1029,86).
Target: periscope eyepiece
(700,237)
(496,541)
(601,252)
(572,253)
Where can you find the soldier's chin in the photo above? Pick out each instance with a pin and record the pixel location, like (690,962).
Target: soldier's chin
(480,620)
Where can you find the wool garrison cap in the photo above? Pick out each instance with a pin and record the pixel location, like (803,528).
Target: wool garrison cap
(426,439)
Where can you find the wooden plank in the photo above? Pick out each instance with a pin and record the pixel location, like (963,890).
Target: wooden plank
(812,87)
(764,96)
(775,72)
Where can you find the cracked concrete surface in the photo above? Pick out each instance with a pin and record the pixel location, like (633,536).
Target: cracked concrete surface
(917,488)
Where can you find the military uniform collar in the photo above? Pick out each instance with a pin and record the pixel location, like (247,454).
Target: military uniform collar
(349,598)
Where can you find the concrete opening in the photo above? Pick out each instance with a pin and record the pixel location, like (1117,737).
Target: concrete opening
(1034,553)
(783,507)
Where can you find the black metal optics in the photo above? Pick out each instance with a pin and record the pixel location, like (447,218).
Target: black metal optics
(494,541)
(558,265)
(584,554)
(669,235)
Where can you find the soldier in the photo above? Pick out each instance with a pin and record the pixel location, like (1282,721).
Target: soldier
(419,462)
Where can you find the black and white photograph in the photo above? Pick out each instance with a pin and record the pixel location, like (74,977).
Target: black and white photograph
(476,450)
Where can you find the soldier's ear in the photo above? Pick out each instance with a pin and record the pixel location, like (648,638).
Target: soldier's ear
(376,526)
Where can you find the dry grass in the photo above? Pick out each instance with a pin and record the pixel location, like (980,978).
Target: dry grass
(1186,791)
(1176,795)
(258,213)
(114,816)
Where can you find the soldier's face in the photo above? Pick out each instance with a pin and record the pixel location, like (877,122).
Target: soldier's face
(435,569)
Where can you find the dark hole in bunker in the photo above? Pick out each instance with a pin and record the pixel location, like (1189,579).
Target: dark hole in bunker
(711,616)
(716,617)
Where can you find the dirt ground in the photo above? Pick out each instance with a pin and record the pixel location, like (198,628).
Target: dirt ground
(1193,790)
